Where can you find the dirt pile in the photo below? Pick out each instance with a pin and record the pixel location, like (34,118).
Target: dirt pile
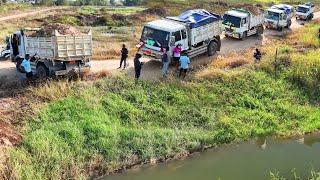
(48,29)
(8,136)
(160,11)
(254,9)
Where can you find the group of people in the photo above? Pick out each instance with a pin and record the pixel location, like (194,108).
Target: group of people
(180,60)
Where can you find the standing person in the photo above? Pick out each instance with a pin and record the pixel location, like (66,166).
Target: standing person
(165,62)
(184,64)
(124,56)
(177,54)
(27,67)
(15,45)
(257,55)
(137,65)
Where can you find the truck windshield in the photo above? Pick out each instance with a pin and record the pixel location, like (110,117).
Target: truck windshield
(302,9)
(155,37)
(231,20)
(272,15)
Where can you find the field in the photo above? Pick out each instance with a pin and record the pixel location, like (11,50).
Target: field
(103,124)
(82,128)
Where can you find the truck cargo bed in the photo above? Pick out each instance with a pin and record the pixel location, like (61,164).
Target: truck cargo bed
(60,47)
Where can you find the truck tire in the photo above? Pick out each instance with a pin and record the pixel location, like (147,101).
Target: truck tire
(280,28)
(212,48)
(42,71)
(260,30)
(244,36)
(311,16)
(289,24)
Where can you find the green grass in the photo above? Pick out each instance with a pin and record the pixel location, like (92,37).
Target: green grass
(116,122)
(6,8)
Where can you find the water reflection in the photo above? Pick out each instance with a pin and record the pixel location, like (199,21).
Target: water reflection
(252,160)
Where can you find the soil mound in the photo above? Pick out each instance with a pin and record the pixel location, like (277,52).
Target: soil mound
(160,11)
(48,29)
(254,9)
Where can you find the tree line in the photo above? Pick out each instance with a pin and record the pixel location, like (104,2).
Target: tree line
(85,2)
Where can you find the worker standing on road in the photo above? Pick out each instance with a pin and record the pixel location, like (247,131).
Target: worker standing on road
(177,55)
(165,62)
(124,56)
(27,67)
(257,55)
(137,65)
(184,64)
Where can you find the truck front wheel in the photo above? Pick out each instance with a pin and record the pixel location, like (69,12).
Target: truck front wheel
(42,71)
(212,48)
(244,36)
(260,30)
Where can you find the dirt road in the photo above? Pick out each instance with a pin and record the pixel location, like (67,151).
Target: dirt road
(32,13)
(151,69)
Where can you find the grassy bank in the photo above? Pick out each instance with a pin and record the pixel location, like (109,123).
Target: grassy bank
(81,129)
(84,129)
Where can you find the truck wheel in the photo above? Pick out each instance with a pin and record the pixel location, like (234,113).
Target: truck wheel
(311,16)
(289,24)
(212,48)
(280,28)
(244,36)
(260,30)
(42,71)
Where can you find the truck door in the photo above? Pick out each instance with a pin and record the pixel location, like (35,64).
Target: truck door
(178,38)
(185,41)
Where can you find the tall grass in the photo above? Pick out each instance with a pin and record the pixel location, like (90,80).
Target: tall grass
(117,122)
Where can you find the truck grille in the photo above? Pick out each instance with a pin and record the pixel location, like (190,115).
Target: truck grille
(229,30)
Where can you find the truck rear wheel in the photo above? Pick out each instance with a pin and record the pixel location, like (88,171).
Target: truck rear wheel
(260,30)
(212,48)
(42,71)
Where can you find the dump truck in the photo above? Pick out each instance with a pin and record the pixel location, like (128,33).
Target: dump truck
(54,55)
(279,17)
(197,31)
(241,23)
(305,11)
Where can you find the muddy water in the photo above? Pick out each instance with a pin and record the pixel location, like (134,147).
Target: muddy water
(252,160)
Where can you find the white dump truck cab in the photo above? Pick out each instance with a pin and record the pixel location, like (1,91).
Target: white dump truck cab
(279,17)
(240,23)
(305,11)
(197,31)
(161,34)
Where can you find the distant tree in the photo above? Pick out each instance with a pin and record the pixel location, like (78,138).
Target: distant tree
(46,2)
(61,2)
(131,2)
(113,2)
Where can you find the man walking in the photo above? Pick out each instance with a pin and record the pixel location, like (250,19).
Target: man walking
(124,56)
(257,55)
(184,64)
(137,65)
(165,62)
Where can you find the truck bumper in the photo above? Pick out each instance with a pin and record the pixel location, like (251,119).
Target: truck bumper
(234,35)
(83,69)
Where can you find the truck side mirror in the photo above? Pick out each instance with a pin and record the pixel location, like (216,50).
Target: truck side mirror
(172,40)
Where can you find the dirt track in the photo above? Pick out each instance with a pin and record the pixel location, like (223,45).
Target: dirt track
(26,14)
(151,69)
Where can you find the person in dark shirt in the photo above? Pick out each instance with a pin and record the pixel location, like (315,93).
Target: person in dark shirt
(257,55)
(124,56)
(137,65)
(165,62)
